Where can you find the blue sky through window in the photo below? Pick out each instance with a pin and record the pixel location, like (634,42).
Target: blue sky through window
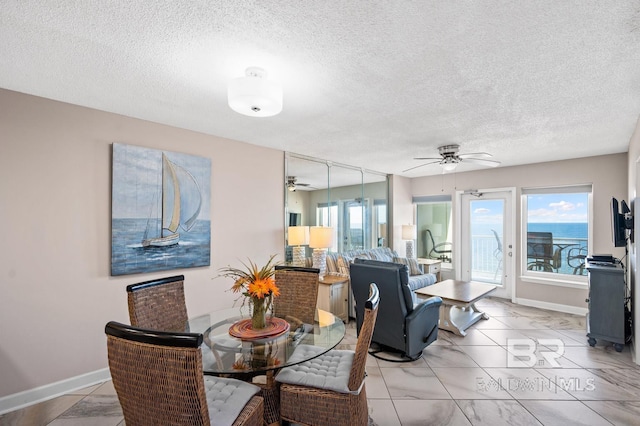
(557,208)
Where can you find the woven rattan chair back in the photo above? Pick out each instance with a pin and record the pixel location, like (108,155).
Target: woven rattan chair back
(357,374)
(157,383)
(298,293)
(158,304)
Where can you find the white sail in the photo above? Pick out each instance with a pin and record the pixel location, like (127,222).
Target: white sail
(181,204)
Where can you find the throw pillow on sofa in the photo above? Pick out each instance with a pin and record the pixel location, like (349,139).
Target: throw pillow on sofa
(412,264)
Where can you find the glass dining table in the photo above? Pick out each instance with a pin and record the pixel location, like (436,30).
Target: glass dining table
(257,360)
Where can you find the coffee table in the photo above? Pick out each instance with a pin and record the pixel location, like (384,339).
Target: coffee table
(458,310)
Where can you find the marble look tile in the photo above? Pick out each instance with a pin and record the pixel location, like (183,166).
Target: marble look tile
(588,357)
(382,413)
(527,383)
(627,379)
(585,385)
(40,414)
(447,356)
(501,336)
(376,387)
(87,421)
(523,323)
(473,337)
(564,413)
(371,361)
(617,412)
(444,338)
(413,383)
(94,406)
(550,334)
(496,413)
(579,335)
(430,412)
(105,389)
(487,356)
(418,363)
(566,322)
(470,383)
(493,323)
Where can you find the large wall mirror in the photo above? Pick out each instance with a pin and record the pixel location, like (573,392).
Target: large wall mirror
(350,200)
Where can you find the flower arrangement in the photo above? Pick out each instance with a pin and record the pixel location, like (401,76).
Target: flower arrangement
(257,285)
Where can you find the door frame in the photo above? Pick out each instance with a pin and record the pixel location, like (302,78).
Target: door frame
(508,247)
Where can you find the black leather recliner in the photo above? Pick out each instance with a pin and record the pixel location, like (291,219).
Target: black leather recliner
(401,325)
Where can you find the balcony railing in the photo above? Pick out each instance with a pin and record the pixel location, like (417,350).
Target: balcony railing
(487,258)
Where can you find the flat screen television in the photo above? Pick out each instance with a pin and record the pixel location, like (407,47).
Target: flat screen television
(618,223)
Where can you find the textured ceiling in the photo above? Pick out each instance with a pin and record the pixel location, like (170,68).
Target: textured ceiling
(371,84)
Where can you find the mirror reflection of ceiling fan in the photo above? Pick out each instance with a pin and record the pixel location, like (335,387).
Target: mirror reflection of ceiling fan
(293,184)
(449,158)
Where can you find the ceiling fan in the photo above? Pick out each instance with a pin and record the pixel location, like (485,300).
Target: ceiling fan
(293,184)
(449,158)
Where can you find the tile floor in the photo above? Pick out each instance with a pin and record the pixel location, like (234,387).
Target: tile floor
(459,381)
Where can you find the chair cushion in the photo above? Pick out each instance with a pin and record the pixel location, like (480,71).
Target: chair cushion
(414,267)
(329,371)
(226,398)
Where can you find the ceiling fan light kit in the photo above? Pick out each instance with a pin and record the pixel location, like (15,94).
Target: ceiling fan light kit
(449,158)
(253,95)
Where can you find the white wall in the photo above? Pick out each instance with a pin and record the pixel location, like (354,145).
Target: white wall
(56,293)
(607,173)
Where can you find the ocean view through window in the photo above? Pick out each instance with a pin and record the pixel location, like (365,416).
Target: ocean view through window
(557,233)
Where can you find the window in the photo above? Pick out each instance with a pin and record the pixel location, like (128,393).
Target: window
(435,233)
(557,231)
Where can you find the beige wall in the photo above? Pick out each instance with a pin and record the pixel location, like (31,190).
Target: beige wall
(608,174)
(56,293)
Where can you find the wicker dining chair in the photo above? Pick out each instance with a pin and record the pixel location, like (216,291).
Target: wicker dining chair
(159,380)
(329,389)
(298,293)
(158,304)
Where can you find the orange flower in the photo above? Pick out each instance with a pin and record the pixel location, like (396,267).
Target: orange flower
(262,287)
(254,281)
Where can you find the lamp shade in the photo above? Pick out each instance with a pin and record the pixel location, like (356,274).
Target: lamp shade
(298,235)
(254,95)
(320,237)
(409,232)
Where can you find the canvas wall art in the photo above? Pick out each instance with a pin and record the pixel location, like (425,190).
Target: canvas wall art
(160,210)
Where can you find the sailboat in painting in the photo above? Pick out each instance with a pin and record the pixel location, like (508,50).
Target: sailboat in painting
(181,204)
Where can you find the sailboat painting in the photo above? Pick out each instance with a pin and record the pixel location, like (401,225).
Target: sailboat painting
(160,216)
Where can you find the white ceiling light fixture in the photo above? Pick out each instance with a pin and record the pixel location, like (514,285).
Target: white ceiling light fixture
(254,95)
(448,165)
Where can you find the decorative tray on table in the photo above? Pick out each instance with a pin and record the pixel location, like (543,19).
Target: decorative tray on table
(243,329)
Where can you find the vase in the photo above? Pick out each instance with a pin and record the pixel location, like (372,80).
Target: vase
(259,314)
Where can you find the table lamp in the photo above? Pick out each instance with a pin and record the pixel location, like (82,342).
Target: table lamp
(409,233)
(320,239)
(298,237)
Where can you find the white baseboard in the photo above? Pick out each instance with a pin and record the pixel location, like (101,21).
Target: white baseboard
(568,309)
(23,399)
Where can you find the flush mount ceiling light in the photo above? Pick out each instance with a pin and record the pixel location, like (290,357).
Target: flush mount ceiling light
(254,95)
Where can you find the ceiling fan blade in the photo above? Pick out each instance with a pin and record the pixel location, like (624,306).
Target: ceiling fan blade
(488,163)
(421,165)
(475,154)
(427,158)
(302,184)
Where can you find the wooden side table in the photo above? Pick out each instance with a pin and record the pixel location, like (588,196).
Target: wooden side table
(333,296)
(431,266)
